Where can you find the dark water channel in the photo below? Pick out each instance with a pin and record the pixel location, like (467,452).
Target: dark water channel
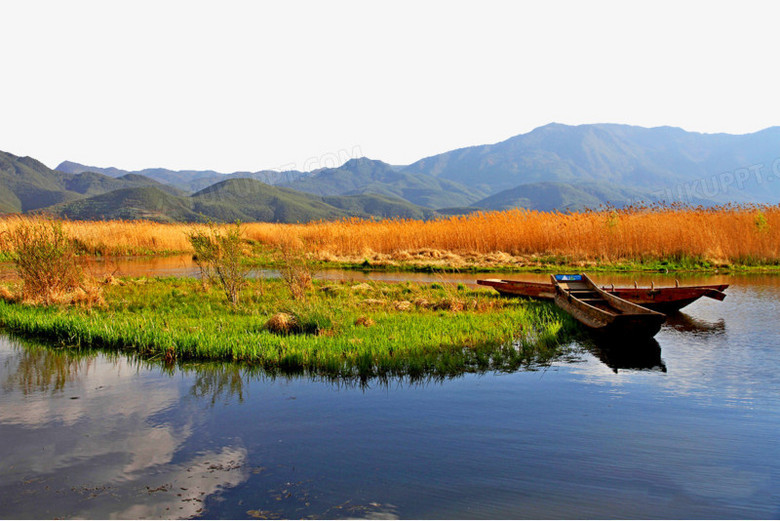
(687,428)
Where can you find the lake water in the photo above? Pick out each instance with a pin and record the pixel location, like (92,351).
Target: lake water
(688,427)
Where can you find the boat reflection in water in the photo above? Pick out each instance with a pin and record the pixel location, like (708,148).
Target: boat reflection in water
(685,323)
(645,354)
(638,354)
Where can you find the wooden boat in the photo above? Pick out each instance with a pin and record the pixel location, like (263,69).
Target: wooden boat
(664,299)
(603,312)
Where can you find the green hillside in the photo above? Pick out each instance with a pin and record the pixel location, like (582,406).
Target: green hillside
(27,184)
(250,200)
(185,180)
(367,176)
(235,199)
(562,196)
(552,167)
(379,206)
(149,202)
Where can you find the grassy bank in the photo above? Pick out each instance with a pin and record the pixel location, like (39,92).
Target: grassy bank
(340,329)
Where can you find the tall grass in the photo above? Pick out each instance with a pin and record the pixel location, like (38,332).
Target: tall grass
(111,237)
(728,234)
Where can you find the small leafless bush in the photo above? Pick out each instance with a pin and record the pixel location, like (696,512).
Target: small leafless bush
(295,268)
(220,256)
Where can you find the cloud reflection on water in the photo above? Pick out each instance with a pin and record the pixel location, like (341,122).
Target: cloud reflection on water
(100,436)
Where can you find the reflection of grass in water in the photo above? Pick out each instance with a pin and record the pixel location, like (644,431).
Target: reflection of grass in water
(41,369)
(361,331)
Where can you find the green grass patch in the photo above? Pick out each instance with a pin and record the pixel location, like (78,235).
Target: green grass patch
(342,329)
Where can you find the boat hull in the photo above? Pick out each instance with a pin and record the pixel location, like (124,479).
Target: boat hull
(663,299)
(641,325)
(605,313)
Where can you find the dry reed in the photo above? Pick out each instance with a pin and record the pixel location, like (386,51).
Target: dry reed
(728,234)
(111,237)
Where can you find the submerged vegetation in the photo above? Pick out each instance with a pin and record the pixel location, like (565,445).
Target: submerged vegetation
(341,329)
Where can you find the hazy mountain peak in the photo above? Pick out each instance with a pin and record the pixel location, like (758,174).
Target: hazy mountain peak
(363,162)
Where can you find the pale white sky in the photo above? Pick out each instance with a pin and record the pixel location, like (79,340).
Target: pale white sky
(252,85)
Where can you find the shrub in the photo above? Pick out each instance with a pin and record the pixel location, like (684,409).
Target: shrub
(304,321)
(220,258)
(45,259)
(365,321)
(282,324)
(295,268)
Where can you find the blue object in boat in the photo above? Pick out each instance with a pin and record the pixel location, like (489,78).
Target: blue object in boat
(568,278)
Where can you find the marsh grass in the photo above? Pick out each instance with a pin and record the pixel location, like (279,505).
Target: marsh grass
(636,238)
(336,333)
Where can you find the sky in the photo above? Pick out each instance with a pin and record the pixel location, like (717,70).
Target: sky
(232,86)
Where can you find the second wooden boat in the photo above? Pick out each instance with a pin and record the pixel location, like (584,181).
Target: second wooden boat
(664,299)
(603,312)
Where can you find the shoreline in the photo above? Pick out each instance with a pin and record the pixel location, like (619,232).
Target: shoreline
(653,266)
(341,329)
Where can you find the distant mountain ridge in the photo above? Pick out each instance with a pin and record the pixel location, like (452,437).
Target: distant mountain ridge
(246,200)
(188,180)
(363,176)
(659,160)
(27,184)
(554,167)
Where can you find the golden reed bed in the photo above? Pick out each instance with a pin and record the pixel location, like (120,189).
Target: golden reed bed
(743,235)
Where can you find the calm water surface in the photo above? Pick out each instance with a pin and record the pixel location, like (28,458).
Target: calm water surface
(687,428)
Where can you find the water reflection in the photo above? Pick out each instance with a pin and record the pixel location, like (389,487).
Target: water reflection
(109,436)
(119,435)
(685,323)
(38,369)
(218,382)
(108,442)
(184,266)
(628,354)
(35,369)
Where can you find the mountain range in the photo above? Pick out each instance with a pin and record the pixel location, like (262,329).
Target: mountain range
(555,167)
